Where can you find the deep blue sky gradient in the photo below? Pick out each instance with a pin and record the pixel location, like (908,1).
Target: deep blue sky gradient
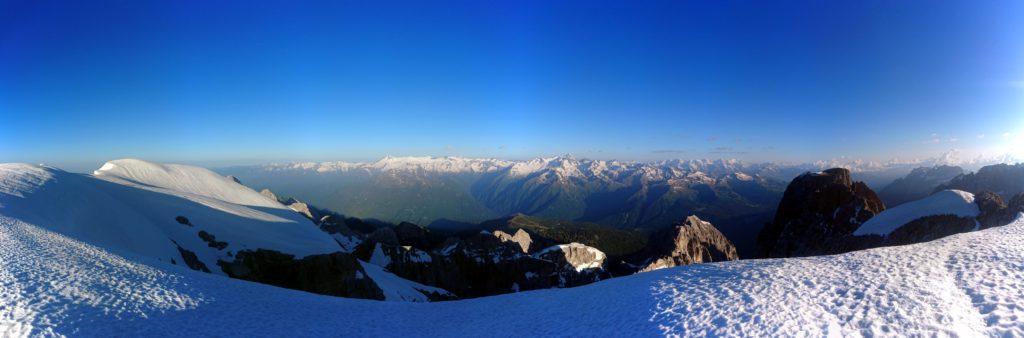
(234,81)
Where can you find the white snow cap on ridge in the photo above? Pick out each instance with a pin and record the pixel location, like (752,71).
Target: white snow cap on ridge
(185,179)
(946,202)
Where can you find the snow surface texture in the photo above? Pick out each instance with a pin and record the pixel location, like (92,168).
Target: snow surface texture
(946,202)
(968,284)
(131,206)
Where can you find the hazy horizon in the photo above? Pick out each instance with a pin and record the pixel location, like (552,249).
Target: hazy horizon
(958,155)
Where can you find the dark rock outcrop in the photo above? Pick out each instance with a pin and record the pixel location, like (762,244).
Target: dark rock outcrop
(212,241)
(920,183)
(409,234)
(384,236)
(347,238)
(484,264)
(994,211)
(191,260)
(575,264)
(336,274)
(182,220)
(687,242)
(818,214)
(928,228)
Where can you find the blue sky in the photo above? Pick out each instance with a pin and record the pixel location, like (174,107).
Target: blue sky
(231,82)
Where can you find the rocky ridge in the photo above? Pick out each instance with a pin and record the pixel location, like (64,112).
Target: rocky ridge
(688,242)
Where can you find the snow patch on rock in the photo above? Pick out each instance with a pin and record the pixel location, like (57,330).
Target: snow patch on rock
(946,202)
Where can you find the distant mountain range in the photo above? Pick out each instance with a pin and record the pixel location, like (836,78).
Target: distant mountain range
(444,192)
(920,183)
(739,197)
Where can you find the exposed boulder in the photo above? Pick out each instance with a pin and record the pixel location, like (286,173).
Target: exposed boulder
(688,242)
(818,214)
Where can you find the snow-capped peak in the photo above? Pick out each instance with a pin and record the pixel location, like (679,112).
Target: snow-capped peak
(437,164)
(566,166)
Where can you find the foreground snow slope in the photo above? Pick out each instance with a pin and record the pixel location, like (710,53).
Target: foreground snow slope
(946,202)
(969,284)
(132,206)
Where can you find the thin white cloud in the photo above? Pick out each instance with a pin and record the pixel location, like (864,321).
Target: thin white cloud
(981,136)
